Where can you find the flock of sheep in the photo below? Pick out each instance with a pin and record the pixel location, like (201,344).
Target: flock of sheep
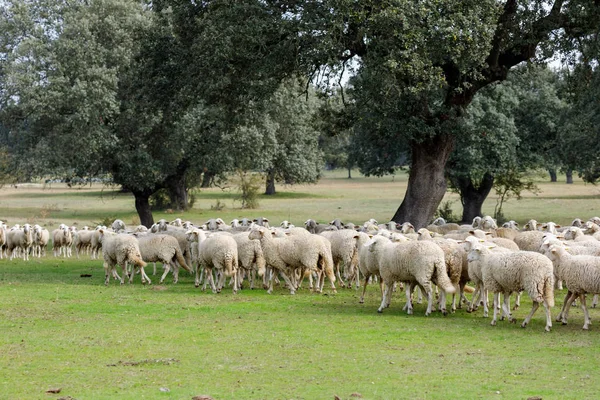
(443,256)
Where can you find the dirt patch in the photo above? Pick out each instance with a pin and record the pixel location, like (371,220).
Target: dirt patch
(162,361)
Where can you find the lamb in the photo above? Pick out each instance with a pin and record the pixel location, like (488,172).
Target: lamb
(165,249)
(41,236)
(219,252)
(344,249)
(415,263)
(20,239)
(512,272)
(581,274)
(120,249)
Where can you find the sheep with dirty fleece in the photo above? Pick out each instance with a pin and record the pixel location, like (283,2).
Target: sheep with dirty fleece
(164,249)
(19,240)
(216,252)
(121,249)
(414,263)
(512,272)
(581,275)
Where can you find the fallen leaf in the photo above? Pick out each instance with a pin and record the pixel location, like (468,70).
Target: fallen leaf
(163,389)
(202,397)
(358,395)
(54,391)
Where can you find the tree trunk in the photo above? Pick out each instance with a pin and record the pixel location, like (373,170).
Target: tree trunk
(142,206)
(177,192)
(426,181)
(552,173)
(349,172)
(472,197)
(270,189)
(207,179)
(569,174)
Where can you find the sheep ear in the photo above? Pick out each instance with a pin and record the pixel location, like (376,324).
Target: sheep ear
(472,232)
(558,226)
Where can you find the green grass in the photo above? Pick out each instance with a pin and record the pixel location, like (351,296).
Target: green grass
(61,330)
(128,342)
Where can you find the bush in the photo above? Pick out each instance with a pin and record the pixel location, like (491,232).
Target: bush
(249,187)
(160,200)
(445,211)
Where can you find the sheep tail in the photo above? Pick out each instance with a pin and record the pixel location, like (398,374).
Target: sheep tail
(443,281)
(136,259)
(229,259)
(549,290)
(181,260)
(327,266)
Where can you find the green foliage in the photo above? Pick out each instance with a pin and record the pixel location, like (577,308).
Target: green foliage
(249,185)
(511,185)
(106,221)
(160,200)
(445,211)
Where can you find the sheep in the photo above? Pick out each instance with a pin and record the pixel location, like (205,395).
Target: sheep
(415,263)
(475,275)
(531,225)
(262,221)
(498,241)
(61,240)
(476,224)
(529,240)
(177,233)
(219,252)
(286,224)
(488,224)
(511,224)
(344,250)
(95,244)
(453,257)
(120,249)
(507,233)
(407,227)
(511,272)
(442,229)
(313,227)
(82,241)
(20,239)
(118,226)
(368,264)
(41,236)
(250,257)
(577,235)
(550,227)
(581,274)
(3,234)
(177,222)
(577,222)
(302,251)
(337,223)
(165,249)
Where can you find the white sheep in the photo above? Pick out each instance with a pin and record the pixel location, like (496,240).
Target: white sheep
(41,236)
(344,250)
(530,240)
(164,249)
(118,226)
(20,240)
(511,272)
(83,241)
(581,274)
(216,252)
(511,224)
(414,263)
(577,235)
(369,261)
(531,225)
(62,239)
(123,250)
(488,224)
(250,258)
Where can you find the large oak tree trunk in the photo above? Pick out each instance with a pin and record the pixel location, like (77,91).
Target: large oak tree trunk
(142,206)
(270,189)
(177,192)
(553,177)
(426,181)
(569,174)
(207,179)
(472,197)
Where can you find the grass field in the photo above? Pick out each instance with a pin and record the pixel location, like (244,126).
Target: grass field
(61,330)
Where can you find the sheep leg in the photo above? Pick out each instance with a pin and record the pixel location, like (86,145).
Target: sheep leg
(221,281)
(442,303)
(175,269)
(386,294)
(562,310)
(496,301)
(419,296)
(287,281)
(211,279)
(362,296)
(429,292)
(145,278)
(482,293)
(548,317)
(567,306)
(517,301)
(595,301)
(586,315)
(106,273)
(167,268)
(534,307)
(506,308)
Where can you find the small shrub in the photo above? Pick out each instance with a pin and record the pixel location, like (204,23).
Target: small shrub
(249,187)
(218,206)
(160,200)
(445,211)
(135,220)
(107,221)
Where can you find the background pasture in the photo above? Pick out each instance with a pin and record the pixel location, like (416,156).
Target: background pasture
(62,330)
